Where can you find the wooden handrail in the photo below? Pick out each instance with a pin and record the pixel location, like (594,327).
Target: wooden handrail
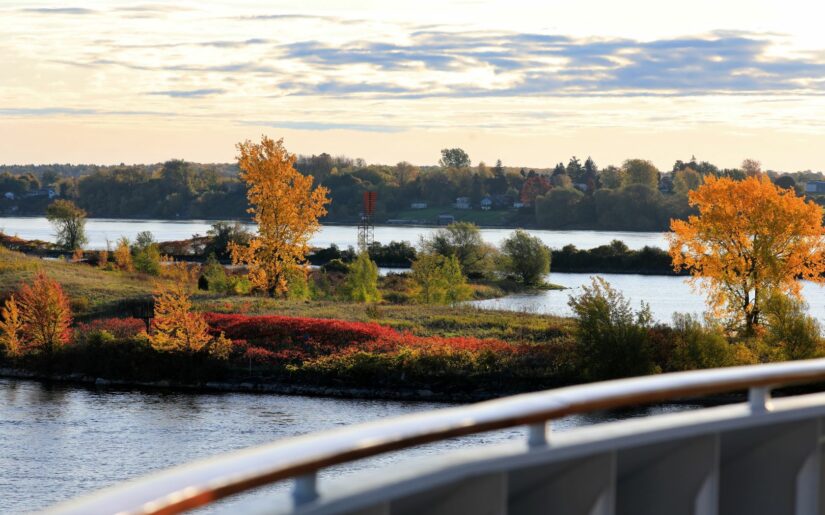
(192,485)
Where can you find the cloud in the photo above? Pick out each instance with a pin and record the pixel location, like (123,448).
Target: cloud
(538,64)
(324,126)
(58,10)
(72,111)
(189,93)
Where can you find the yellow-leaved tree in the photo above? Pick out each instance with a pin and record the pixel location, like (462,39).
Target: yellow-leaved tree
(286,208)
(176,328)
(11,329)
(751,240)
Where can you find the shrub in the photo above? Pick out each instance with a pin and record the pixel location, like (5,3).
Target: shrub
(793,332)
(696,345)
(116,327)
(215,275)
(613,340)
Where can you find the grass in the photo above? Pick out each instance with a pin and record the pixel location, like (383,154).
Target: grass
(90,290)
(420,320)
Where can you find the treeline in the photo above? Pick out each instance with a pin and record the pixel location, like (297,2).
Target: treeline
(633,196)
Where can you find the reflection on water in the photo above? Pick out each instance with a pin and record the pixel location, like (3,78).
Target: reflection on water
(100,231)
(59,441)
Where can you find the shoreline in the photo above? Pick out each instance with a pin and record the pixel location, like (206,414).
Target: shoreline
(330,392)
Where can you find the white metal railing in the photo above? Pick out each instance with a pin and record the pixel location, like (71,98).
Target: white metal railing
(200,483)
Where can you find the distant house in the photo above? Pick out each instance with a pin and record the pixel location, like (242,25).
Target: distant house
(42,192)
(418,205)
(9,195)
(462,203)
(518,204)
(815,187)
(445,219)
(486,203)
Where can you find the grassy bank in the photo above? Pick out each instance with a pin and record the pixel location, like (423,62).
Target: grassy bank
(92,292)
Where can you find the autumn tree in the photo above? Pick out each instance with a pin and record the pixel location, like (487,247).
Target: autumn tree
(11,329)
(286,208)
(176,328)
(123,255)
(44,313)
(751,240)
(70,223)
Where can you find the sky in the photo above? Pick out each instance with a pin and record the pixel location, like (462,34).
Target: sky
(531,83)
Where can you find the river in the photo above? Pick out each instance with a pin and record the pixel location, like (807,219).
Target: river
(99,231)
(60,441)
(665,295)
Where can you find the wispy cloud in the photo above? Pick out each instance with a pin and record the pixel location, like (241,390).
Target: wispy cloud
(323,126)
(58,10)
(537,64)
(189,93)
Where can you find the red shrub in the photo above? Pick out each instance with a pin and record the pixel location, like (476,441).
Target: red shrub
(117,327)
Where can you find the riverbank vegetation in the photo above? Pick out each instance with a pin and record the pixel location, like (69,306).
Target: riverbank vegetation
(632,195)
(342,325)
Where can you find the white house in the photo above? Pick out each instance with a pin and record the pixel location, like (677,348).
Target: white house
(418,205)
(462,203)
(486,204)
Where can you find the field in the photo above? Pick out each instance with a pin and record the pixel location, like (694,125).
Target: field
(90,290)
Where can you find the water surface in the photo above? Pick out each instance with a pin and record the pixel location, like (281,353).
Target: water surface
(60,441)
(100,231)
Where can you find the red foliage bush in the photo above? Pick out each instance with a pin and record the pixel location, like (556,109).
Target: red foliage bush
(277,338)
(117,327)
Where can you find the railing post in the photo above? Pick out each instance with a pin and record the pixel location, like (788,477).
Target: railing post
(305,489)
(537,434)
(759,399)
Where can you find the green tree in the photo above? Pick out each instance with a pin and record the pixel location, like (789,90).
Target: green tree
(462,240)
(613,340)
(362,280)
(640,171)
(686,180)
(223,234)
(438,280)
(527,257)
(70,223)
(611,178)
(454,158)
(559,207)
(146,254)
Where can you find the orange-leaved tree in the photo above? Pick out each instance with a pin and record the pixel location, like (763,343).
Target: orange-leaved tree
(286,208)
(11,329)
(176,328)
(750,240)
(45,314)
